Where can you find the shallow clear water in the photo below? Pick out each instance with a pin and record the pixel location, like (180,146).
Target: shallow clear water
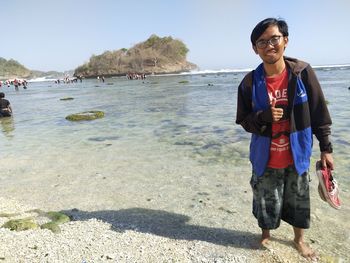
(193,117)
(196,118)
(162,144)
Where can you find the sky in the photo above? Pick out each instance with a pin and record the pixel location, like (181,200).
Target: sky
(63,34)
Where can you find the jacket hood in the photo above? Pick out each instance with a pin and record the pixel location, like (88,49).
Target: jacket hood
(297,66)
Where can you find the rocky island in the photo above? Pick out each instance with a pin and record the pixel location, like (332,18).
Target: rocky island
(156,55)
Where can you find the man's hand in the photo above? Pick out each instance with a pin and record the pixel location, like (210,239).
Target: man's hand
(327,160)
(277,113)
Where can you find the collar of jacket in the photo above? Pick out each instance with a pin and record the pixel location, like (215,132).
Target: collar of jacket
(296,66)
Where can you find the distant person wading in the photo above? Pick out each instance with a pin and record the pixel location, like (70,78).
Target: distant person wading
(5,107)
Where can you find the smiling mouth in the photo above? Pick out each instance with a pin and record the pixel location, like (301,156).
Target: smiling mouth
(271,53)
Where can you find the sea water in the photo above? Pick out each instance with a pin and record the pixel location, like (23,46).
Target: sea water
(191,114)
(168,143)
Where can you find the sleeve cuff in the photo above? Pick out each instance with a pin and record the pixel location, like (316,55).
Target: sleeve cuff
(326,147)
(265,116)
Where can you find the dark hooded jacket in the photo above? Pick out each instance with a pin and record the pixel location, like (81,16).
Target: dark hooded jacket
(311,115)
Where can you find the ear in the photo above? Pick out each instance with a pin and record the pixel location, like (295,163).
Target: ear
(286,40)
(255,49)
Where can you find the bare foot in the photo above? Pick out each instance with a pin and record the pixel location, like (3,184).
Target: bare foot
(265,237)
(305,251)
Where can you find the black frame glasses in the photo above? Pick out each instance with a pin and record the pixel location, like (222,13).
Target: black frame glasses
(273,41)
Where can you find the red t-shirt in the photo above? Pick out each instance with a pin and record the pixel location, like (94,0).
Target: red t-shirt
(280,153)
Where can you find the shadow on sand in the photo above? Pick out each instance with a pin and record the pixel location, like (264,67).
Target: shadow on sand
(166,224)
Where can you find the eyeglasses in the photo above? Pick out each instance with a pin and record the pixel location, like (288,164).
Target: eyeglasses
(273,41)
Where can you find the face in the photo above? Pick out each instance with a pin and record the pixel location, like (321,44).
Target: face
(271,54)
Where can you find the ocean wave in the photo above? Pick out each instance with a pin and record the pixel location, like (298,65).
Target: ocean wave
(331,66)
(41,79)
(210,71)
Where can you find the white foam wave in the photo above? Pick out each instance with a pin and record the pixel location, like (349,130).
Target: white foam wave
(41,79)
(210,71)
(332,66)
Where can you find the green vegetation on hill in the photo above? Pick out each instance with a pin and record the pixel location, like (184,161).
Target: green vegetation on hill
(155,55)
(12,69)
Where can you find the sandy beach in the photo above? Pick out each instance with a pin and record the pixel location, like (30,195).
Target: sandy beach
(122,226)
(134,235)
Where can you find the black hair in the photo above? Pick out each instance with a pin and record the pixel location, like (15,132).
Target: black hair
(260,28)
(2,95)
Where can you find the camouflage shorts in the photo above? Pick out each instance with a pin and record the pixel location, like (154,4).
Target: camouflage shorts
(281,194)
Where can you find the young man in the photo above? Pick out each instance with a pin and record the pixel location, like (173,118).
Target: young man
(5,107)
(281,103)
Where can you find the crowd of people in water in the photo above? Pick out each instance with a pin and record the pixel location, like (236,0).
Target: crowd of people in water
(136,76)
(75,79)
(15,82)
(5,107)
(68,79)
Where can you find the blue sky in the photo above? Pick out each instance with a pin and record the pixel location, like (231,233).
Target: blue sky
(63,34)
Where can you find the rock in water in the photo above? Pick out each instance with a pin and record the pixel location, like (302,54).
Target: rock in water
(86,116)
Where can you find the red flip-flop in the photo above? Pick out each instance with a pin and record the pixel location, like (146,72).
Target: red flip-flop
(328,187)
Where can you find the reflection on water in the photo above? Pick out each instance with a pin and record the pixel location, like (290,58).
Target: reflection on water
(7,126)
